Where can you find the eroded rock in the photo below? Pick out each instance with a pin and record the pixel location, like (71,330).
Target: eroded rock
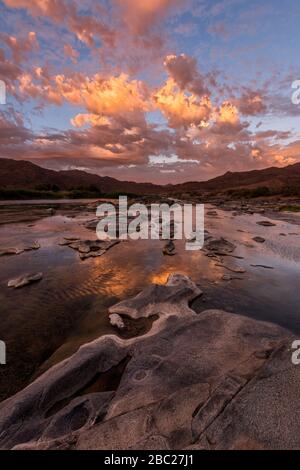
(91,248)
(172,298)
(25,280)
(212,381)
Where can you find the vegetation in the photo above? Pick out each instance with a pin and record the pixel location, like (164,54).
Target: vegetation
(56,193)
(290,208)
(263,191)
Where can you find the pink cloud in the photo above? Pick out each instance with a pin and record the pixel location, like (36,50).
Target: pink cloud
(85,27)
(141,15)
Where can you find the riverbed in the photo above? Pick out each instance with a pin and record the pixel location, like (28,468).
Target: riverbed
(46,322)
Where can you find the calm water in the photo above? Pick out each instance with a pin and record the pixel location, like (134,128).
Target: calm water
(44,323)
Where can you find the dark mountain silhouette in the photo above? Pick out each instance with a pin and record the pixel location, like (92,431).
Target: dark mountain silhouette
(19,174)
(274,178)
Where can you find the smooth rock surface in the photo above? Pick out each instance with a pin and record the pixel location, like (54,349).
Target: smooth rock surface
(210,381)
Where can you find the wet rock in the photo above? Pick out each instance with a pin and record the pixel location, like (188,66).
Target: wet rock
(35,246)
(259,239)
(18,250)
(169,249)
(219,246)
(92,248)
(68,241)
(266,223)
(238,270)
(212,213)
(171,298)
(25,280)
(11,251)
(92,254)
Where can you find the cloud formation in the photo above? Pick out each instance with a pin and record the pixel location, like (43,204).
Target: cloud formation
(121,88)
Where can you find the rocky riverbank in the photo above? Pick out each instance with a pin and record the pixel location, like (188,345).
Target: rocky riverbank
(215,380)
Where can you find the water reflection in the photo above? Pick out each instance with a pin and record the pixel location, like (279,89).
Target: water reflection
(45,323)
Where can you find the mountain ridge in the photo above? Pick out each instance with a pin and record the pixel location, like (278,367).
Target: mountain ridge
(22,174)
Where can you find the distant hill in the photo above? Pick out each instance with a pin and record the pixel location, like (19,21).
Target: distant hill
(261,182)
(23,175)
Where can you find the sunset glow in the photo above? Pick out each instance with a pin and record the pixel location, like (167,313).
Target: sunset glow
(111,86)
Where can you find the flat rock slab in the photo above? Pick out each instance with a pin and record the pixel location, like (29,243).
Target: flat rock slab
(219,246)
(90,248)
(25,280)
(18,250)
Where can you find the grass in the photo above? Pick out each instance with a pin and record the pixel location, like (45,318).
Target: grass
(264,191)
(290,208)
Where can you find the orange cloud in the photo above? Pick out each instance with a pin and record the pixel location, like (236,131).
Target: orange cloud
(228,114)
(110,97)
(82,119)
(180,108)
(114,95)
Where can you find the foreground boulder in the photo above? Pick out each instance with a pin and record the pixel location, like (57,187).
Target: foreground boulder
(210,381)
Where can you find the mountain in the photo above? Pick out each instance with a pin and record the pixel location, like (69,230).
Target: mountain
(19,174)
(272,179)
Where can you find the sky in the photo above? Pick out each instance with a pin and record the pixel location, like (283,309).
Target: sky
(164,91)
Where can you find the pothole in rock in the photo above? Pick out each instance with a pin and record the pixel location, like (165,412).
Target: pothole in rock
(102,382)
(136,327)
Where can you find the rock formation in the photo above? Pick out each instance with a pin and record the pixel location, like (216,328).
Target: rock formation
(210,381)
